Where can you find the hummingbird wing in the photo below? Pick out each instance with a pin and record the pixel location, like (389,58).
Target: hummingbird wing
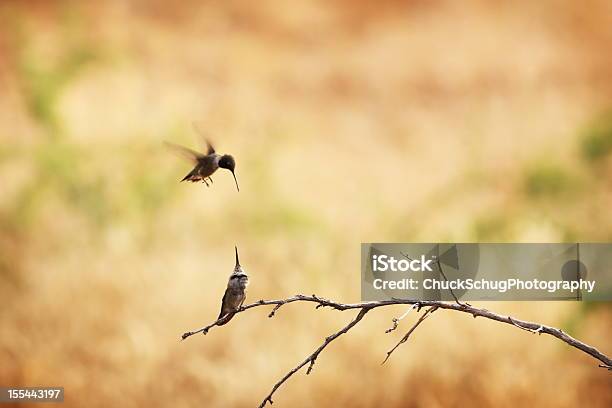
(225,310)
(185,152)
(209,147)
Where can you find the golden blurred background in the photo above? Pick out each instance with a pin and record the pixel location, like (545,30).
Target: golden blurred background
(351,121)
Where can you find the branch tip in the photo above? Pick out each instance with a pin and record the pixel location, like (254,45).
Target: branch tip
(273,312)
(607,367)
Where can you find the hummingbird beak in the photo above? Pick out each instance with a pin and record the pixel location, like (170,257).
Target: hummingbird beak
(236,180)
(237,261)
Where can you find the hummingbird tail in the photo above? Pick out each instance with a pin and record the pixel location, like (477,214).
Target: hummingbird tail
(226,318)
(190,176)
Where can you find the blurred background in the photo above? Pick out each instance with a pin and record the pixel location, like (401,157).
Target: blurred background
(351,121)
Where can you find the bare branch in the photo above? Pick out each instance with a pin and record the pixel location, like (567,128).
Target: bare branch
(273,312)
(432,306)
(313,357)
(396,320)
(413,328)
(204,330)
(536,331)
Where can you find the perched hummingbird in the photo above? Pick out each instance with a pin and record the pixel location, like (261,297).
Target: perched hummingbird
(235,294)
(206,164)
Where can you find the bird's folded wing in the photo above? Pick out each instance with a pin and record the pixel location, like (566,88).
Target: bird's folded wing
(223,312)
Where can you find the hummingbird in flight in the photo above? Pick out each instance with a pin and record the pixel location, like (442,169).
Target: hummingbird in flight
(235,294)
(206,164)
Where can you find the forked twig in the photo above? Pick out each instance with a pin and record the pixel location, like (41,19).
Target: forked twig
(396,320)
(412,329)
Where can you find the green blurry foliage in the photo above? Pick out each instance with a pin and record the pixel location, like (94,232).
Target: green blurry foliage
(147,187)
(547,180)
(597,138)
(44,86)
(60,167)
(43,82)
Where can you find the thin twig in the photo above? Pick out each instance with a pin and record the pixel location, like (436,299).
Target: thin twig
(274,310)
(609,368)
(313,357)
(205,329)
(396,320)
(412,329)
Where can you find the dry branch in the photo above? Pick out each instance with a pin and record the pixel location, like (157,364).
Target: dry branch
(412,329)
(313,357)
(431,306)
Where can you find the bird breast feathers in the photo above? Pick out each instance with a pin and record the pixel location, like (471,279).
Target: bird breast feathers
(238,283)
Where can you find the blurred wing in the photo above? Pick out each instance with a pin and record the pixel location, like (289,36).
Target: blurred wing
(209,147)
(185,152)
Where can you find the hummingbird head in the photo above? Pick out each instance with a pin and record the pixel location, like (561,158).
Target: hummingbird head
(239,276)
(227,162)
